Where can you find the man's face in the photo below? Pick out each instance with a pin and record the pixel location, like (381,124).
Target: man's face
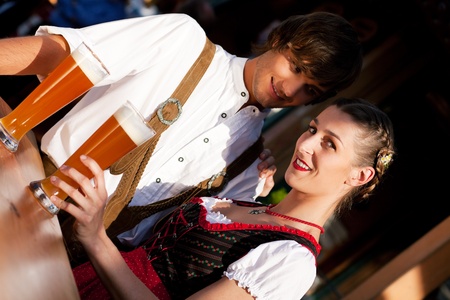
(278,82)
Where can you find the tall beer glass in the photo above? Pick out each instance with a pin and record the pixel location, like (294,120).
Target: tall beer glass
(76,74)
(122,132)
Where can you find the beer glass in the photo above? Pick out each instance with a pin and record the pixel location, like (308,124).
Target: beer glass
(76,74)
(122,132)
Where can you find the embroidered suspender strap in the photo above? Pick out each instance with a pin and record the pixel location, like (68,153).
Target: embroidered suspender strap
(130,216)
(133,164)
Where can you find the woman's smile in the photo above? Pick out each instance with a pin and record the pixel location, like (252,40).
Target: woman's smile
(300,165)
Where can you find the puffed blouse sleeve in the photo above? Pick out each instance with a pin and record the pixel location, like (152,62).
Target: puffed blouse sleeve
(275,270)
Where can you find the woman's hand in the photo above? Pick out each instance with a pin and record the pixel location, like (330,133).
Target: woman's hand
(90,200)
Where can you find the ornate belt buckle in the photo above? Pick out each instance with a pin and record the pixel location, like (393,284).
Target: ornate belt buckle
(160,115)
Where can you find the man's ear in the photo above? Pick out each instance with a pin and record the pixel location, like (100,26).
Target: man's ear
(360,176)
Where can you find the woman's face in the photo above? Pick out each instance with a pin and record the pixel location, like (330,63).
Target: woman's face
(322,161)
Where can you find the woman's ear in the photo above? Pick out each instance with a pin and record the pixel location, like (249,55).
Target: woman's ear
(361,176)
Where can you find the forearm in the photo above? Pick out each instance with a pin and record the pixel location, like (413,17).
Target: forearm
(113,271)
(32,55)
(224,288)
(88,211)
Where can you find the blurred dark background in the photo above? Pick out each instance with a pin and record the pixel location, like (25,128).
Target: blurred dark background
(406,72)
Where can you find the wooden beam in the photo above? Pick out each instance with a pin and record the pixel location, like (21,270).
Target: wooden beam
(414,273)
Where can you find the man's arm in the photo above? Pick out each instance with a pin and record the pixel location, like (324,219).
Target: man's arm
(32,55)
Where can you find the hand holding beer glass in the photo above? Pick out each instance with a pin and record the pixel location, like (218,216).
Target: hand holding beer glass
(122,132)
(76,74)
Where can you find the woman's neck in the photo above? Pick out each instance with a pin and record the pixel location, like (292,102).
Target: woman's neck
(307,208)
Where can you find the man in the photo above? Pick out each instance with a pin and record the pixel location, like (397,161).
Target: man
(305,60)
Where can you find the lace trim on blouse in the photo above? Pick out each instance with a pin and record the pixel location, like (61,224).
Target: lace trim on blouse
(217,221)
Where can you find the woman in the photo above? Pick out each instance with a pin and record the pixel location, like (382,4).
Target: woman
(215,248)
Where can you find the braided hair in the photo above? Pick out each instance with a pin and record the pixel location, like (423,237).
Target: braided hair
(375,144)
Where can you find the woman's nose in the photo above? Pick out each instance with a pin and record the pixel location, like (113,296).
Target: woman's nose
(307,146)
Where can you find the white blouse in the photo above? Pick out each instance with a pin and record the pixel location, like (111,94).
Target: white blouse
(275,270)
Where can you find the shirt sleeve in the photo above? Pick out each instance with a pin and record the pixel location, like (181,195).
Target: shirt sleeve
(128,46)
(245,186)
(275,270)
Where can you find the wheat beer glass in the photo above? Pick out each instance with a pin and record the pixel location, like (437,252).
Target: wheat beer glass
(76,74)
(122,132)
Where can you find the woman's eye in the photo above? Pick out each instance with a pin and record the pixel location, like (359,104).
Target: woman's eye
(312,130)
(330,144)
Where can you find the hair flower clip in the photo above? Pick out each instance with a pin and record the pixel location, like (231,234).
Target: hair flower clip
(386,160)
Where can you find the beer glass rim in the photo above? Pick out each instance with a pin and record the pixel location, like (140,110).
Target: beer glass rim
(135,109)
(85,50)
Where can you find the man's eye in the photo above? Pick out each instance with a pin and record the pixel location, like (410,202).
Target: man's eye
(312,130)
(296,69)
(313,92)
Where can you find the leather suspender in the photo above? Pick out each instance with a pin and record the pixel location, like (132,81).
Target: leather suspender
(118,216)
(133,164)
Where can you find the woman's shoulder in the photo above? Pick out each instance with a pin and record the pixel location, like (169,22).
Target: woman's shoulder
(275,270)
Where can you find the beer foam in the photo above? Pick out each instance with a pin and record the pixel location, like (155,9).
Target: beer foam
(133,124)
(89,63)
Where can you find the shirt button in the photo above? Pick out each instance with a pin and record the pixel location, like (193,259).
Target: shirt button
(158,180)
(180,159)
(243,94)
(223,115)
(205,140)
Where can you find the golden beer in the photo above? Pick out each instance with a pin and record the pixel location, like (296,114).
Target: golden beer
(121,133)
(74,76)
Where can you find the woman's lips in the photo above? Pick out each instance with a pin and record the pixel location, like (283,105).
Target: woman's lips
(300,165)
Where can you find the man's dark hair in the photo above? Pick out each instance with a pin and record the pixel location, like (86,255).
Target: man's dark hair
(325,47)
